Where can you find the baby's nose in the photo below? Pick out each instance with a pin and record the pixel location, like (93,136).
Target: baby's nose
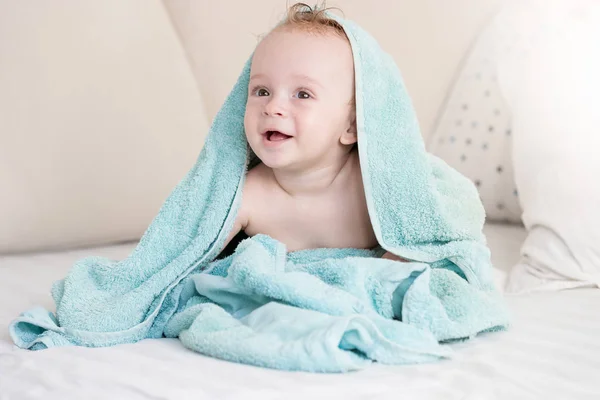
(274,108)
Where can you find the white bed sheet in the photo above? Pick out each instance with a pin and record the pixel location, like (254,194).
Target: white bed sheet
(551,352)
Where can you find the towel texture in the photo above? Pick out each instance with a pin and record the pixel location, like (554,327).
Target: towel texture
(317,310)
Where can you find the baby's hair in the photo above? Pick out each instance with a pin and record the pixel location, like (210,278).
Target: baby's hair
(312,19)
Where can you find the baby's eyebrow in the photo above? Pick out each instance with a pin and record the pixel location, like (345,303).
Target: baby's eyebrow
(296,76)
(256,76)
(307,78)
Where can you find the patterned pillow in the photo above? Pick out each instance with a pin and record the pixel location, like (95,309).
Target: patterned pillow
(473,133)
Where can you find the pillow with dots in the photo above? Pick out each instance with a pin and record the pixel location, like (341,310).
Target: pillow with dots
(473,131)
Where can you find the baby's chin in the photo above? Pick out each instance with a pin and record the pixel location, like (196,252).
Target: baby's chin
(284,161)
(275,163)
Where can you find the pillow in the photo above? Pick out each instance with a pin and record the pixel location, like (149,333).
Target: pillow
(474,130)
(552,85)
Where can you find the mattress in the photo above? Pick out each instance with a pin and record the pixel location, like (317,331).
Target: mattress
(550,352)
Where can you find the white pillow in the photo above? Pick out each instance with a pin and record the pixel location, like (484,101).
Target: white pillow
(473,133)
(552,86)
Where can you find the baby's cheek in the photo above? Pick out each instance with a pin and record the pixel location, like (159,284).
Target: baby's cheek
(250,120)
(314,117)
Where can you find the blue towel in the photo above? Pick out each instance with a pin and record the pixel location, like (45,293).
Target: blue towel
(327,310)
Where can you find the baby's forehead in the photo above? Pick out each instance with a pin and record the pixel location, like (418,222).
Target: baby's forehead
(293,56)
(302,50)
(306,42)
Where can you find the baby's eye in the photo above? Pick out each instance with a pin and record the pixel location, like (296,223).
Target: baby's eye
(303,94)
(261,92)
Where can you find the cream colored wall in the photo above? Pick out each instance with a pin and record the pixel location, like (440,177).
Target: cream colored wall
(427,38)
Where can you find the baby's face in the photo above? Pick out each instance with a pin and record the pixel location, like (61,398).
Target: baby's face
(301,85)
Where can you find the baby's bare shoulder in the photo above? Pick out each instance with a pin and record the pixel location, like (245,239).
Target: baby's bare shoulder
(258,180)
(257,184)
(255,180)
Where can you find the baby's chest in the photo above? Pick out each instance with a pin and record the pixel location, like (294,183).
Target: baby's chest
(333,221)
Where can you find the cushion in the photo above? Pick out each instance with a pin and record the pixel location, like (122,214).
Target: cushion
(551,84)
(474,129)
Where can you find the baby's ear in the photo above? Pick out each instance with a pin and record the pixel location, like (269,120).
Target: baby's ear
(350,137)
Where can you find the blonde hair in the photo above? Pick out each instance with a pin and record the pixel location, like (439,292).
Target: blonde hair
(312,19)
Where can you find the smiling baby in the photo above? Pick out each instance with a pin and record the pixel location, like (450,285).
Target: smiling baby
(307,191)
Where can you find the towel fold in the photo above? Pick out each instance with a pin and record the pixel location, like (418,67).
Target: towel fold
(333,312)
(317,310)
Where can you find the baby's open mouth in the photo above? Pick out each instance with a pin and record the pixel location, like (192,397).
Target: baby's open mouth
(274,136)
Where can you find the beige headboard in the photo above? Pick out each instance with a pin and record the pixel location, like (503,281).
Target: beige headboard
(104,105)
(100,117)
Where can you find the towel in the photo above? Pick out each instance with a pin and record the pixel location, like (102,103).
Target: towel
(326,310)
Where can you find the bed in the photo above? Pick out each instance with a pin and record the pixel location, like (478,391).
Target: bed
(551,351)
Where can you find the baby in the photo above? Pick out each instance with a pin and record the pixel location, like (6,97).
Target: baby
(307,192)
